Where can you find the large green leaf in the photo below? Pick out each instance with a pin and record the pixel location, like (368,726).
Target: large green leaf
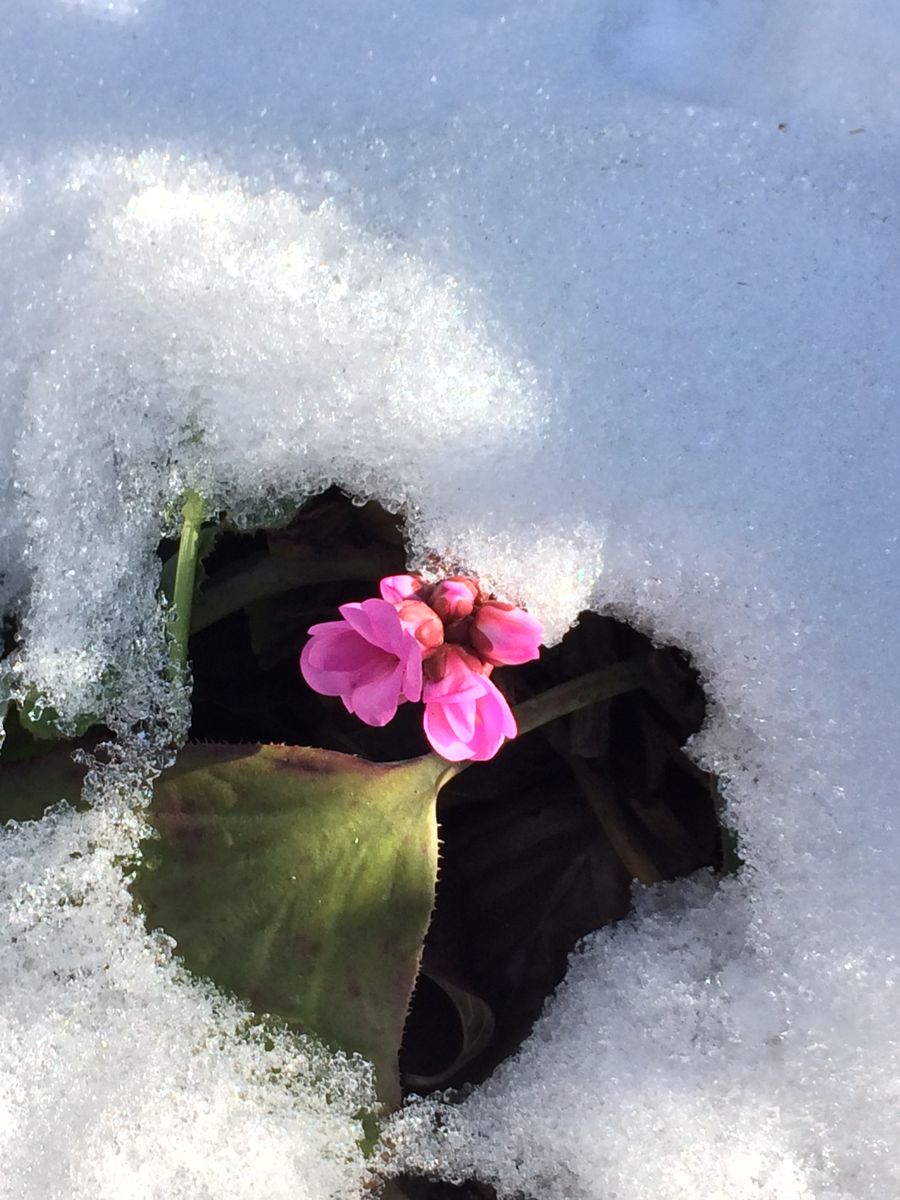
(301,880)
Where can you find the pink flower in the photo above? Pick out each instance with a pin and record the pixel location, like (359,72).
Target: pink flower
(503,635)
(466,717)
(368,659)
(375,658)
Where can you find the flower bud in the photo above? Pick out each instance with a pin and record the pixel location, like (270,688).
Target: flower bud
(422,622)
(395,588)
(504,635)
(454,598)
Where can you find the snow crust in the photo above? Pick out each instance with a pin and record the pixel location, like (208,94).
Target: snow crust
(605,296)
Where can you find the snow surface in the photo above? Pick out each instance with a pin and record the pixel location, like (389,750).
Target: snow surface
(605,296)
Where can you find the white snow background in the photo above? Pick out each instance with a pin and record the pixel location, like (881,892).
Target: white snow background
(606,296)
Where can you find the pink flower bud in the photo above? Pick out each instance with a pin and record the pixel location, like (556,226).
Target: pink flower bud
(395,588)
(454,598)
(422,622)
(504,635)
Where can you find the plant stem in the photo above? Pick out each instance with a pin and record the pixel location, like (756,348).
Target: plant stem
(591,688)
(271,575)
(193,511)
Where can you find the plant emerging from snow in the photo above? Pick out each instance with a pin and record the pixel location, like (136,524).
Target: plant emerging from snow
(299,878)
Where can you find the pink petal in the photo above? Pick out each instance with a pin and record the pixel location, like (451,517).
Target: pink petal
(317,679)
(375,700)
(324,674)
(395,588)
(495,724)
(458,681)
(357,618)
(326,627)
(341,650)
(495,711)
(505,636)
(387,627)
(474,730)
(327,683)
(368,659)
(441,735)
(378,622)
(462,719)
(412,674)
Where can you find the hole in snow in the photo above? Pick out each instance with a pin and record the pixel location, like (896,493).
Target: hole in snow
(543,844)
(539,847)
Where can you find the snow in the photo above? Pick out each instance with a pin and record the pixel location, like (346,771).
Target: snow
(605,296)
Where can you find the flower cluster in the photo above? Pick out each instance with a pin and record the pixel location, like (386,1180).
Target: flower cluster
(432,642)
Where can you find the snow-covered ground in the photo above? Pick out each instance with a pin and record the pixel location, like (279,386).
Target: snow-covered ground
(606,295)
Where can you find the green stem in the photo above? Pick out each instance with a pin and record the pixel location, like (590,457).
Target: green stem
(271,575)
(591,688)
(193,511)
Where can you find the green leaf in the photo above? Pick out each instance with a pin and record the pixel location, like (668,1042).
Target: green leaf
(30,784)
(41,719)
(302,881)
